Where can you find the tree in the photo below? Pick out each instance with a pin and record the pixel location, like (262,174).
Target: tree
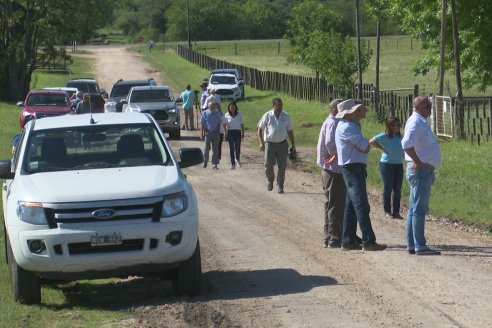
(27,25)
(422,20)
(335,57)
(309,17)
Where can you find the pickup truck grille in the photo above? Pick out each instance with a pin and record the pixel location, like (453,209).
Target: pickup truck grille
(159,114)
(127,209)
(224,92)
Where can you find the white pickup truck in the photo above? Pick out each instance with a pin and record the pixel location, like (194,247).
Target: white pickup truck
(98,196)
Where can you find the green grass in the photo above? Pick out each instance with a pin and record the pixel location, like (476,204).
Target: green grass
(398,55)
(461,189)
(93,306)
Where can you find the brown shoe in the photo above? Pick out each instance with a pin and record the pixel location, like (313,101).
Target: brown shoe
(374,247)
(351,247)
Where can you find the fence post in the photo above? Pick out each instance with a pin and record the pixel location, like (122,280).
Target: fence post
(235,48)
(415,90)
(278,47)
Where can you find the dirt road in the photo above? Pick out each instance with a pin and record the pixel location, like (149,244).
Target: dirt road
(263,264)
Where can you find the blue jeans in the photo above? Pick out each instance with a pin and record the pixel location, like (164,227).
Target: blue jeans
(234,138)
(356,206)
(392,175)
(420,190)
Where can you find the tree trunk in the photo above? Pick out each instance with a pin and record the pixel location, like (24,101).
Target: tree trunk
(457,63)
(378,49)
(359,54)
(443,47)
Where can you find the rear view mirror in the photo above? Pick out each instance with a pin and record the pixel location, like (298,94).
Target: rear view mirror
(20,103)
(6,167)
(190,157)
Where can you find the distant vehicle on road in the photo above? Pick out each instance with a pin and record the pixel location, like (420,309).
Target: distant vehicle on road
(233,71)
(159,102)
(41,103)
(86,85)
(121,89)
(226,86)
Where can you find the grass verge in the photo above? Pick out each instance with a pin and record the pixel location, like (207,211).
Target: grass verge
(461,190)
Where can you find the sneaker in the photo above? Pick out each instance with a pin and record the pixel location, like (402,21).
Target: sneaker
(397,217)
(334,245)
(388,215)
(233,167)
(374,247)
(215,167)
(270,186)
(238,164)
(351,247)
(204,164)
(411,251)
(427,251)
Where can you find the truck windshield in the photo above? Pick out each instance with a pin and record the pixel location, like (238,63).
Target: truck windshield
(94,147)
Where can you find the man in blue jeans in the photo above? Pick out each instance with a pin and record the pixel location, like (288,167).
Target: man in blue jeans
(423,155)
(352,149)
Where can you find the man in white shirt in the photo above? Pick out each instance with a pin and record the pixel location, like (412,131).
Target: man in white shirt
(273,129)
(423,155)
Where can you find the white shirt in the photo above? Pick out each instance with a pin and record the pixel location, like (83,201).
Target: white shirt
(234,123)
(275,130)
(215,98)
(418,134)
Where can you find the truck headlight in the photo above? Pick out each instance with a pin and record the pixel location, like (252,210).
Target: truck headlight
(110,106)
(31,212)
(174,204)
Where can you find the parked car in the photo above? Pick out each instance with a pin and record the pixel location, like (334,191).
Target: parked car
(121,89)
(226,86)
(86,85)
(233,71)
(41,103)
(157,101)
(70,91)
(117,206)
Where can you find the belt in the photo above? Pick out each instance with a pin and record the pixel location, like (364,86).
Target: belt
(353,165)
(426,166)
(276,143)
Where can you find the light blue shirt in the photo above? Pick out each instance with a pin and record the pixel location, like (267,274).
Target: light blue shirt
(211,120)
(393,151)
(350,142)
(418,134)
(188,96)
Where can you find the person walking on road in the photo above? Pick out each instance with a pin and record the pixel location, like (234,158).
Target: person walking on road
(210,133)
(423,156)
(85,106)
(352,149)
(188,98)
(331,175)
(391,166)
(234,133)
(273,129)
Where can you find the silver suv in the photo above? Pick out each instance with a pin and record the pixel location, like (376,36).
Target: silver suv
(157,101)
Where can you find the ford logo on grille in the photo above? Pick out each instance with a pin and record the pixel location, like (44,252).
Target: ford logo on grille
(104,214)
(152,112)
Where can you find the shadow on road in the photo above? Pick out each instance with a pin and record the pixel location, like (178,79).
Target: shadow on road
(260,283)
(217,285)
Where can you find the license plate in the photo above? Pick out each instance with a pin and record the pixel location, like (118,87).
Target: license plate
(105,240)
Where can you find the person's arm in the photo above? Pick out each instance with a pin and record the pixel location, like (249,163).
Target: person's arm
(377,145)
(202,132)
(358,140)
(261,141)
(417,163)
(242,131)
(291,137)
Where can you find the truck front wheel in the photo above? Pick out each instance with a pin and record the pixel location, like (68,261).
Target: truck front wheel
(25,285)
(187,278)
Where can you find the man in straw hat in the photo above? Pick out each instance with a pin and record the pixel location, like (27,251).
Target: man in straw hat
(352,150)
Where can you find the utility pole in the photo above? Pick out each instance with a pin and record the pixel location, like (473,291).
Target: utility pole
(442,67)
(188,22)
(359,54)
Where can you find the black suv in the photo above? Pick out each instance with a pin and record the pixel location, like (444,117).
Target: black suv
(86,85)
(234,72)
(121,89)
